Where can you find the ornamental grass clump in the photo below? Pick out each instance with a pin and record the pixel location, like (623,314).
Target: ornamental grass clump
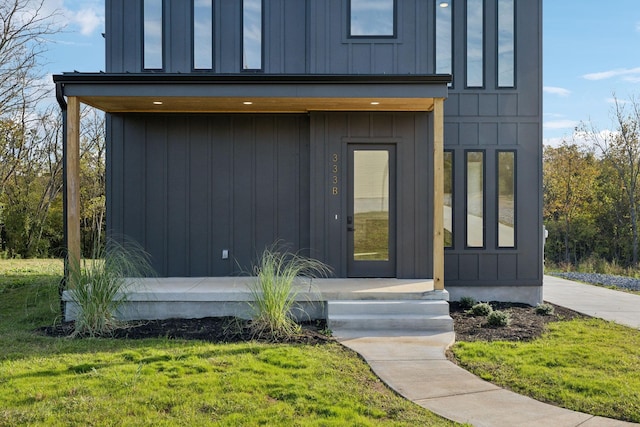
(98,286)
(274,291)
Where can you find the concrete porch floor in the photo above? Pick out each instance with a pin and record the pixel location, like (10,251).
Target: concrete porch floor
(193,297)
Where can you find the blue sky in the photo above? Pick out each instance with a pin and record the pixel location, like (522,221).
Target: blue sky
(591,51)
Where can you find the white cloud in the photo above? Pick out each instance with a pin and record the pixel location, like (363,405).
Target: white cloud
(83,16)
(88,19)
(560,124)
(560,91)
(627,74)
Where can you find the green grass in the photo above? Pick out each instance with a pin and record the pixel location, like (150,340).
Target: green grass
(590,366)
(95,381)
(371,236)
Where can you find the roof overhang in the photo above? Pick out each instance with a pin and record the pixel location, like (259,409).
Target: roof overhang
(252,93)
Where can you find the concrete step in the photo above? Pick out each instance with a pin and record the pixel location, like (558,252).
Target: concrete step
(336,308)
(409,315)
(410,322)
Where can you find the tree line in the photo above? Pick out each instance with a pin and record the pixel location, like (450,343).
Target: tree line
(592,192)
(31,135)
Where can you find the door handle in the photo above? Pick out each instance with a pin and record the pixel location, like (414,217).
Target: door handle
(350,226)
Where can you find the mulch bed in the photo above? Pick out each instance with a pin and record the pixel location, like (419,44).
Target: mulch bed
(212,329)
(525,326)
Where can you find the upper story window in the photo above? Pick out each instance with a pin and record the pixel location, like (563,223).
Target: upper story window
(506,43)
(252,34)
(202,34)
(153,34)
(444,47)
(475,43)
(372,18)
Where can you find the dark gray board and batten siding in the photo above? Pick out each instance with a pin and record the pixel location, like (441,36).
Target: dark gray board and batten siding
(310,37)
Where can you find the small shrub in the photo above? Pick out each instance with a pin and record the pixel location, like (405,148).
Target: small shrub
(544,309)
(481,309)
(498,318)
(467,302)
(274,292)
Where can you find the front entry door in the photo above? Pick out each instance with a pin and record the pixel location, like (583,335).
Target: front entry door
(371,228)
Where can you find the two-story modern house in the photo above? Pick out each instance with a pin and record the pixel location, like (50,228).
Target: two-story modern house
(387,138)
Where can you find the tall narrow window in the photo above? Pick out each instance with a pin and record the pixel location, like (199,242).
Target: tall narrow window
(506,199)
(448,199)
(475,199)
(506,43)
(152,12)
(252,34)
(202,34)
(444,64)
(372,18)
(475,37)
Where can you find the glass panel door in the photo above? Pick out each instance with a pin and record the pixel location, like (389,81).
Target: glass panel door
(370,223)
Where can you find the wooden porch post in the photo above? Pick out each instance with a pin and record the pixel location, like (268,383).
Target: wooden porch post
(73,186)
(438,194)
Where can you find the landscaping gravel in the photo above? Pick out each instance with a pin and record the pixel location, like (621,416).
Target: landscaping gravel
(603,279)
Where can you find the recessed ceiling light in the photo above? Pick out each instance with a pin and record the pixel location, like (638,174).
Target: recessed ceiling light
(158,102)
(444,4)
(375,103)
(248,103)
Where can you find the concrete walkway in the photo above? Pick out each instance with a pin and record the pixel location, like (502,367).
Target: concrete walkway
(415,366)
(595,301)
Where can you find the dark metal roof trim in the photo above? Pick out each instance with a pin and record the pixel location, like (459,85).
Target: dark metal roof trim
(195,78)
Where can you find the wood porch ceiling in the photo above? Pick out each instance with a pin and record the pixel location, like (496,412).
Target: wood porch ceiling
(154,104)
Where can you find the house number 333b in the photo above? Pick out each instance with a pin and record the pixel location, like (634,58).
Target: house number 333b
(334,174)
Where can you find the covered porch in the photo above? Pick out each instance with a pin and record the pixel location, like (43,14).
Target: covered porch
(155,93)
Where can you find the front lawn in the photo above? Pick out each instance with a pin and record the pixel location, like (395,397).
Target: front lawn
(587,365)
(61,381)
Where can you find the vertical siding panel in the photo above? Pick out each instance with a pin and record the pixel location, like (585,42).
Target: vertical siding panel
(177,190)
(295,35)
(134,181)
(115,174)
(304,176)
(317,185)
(229,36)
(221,184)
(114,36)
(178,33)
(381,53)
(287,174)
(199,223)
(131,42)
(156,190)
(243,220)
(265,182)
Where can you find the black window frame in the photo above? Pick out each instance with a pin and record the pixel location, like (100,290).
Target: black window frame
(515,199)
(466,47)
(368,36)
(515,44)
(193,39)
(453,199)
(437,7)
(163,14)
(484,199)
(262,41)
